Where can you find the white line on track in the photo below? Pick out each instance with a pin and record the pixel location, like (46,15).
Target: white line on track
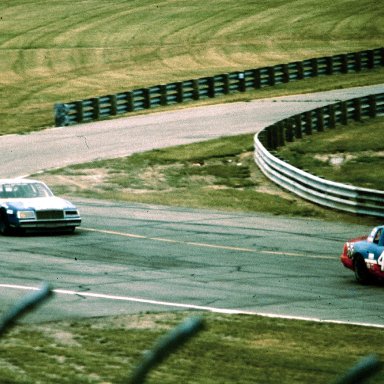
(190,306)
(207,245)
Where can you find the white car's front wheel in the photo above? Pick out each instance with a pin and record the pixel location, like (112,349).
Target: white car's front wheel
(5,229)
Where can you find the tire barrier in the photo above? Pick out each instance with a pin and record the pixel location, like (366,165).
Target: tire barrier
(327,193)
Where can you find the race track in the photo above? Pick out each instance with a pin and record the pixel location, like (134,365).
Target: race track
(128,258)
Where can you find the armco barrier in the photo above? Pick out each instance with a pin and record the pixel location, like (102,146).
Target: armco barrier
(209,87)
(316,189)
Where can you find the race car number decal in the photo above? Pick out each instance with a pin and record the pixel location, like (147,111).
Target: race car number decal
(380,261)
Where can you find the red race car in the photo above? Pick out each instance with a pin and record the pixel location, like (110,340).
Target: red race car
(365,256)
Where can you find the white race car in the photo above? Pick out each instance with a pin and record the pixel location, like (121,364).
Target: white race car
(30,204)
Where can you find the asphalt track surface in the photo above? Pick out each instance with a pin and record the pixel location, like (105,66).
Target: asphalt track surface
(130,258)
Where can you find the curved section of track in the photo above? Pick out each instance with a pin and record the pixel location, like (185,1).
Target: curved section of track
(57,147)
(130,258)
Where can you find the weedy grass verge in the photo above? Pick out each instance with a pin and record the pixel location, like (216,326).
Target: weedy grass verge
(218,174)
(231,348)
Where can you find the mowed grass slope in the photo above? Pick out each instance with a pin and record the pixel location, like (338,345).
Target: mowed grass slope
(57,51)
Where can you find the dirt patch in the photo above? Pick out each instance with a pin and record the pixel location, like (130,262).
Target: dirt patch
(155,178)
(335,159)
(90,178)
(58,335)
(156,321)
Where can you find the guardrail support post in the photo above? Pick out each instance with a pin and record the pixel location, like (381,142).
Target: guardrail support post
(329,63)
(256,79)
(300,70)
(285,73)
(372,106)
(331,113)
(272,136)
(225,83)
(357,109)
(271,76)
(344,63)
(95,108)
(211,87)
(298,126)
(280,134)
(130,106)
(163,95)
(381,56)
(289,134)
(180,92)
(113,101)
(196,94)
(79,111)
(371,59)
(241,82)
(315,70)
(343,112)
(357,59)
(308,122)
(147,98)
(319,120)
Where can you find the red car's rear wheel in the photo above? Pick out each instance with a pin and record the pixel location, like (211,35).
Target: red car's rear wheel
(361,271)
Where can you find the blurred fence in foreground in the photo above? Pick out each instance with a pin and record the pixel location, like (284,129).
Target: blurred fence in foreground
(358,374)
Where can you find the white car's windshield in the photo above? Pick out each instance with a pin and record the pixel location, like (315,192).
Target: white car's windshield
(24,191)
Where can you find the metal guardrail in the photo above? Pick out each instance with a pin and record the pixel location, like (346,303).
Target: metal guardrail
(316,189)
(96,108)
